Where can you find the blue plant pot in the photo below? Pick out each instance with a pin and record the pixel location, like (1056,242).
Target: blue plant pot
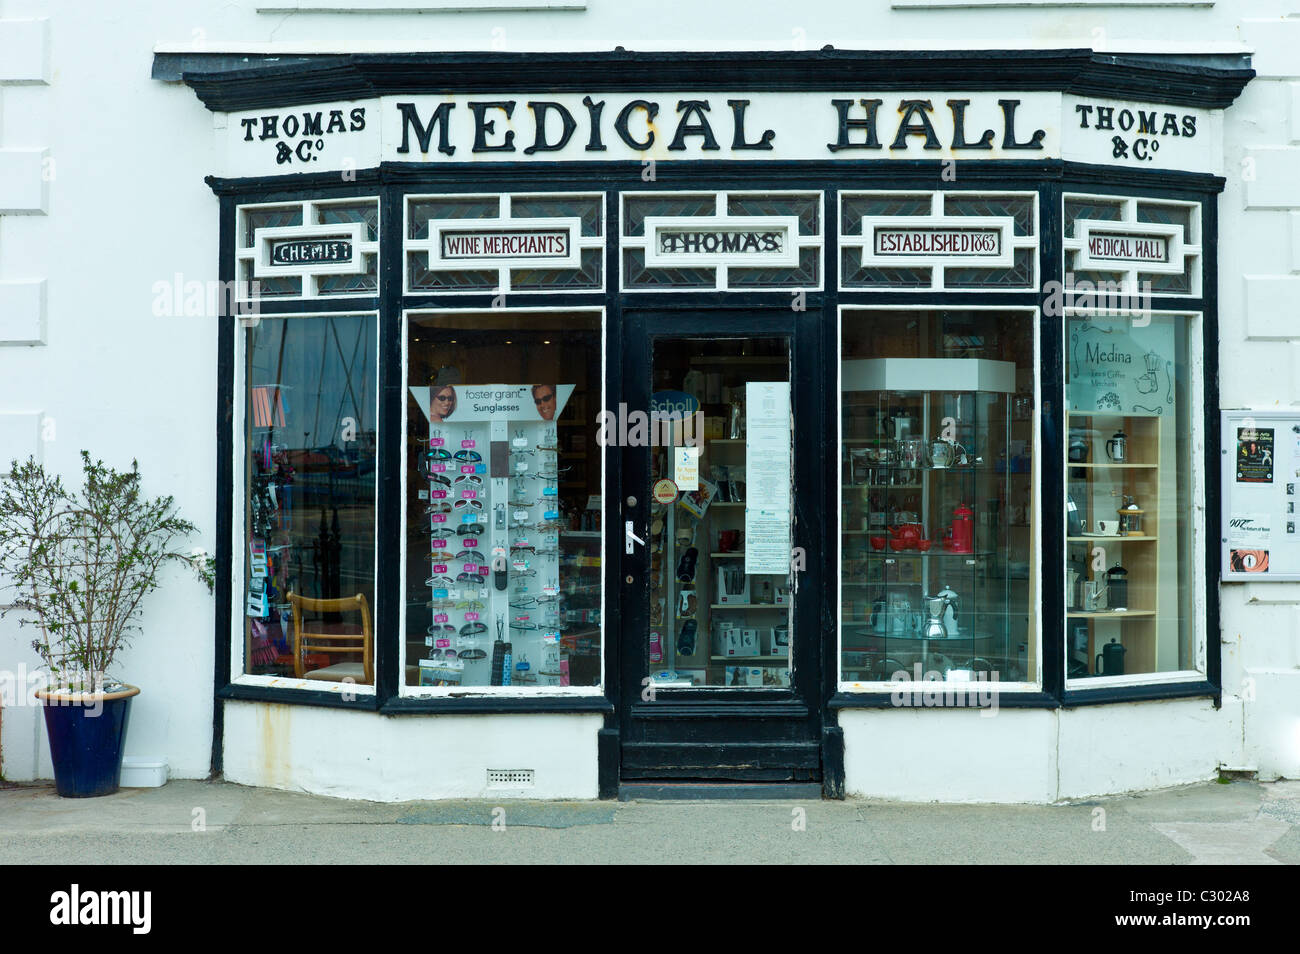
(87,741)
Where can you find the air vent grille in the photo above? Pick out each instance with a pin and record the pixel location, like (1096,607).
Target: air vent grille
(510,778)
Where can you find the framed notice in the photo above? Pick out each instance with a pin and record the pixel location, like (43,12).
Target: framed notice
(1261,475)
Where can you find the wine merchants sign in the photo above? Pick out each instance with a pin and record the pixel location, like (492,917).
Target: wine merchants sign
(739,125)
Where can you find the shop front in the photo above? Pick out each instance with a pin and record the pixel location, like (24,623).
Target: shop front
(834,418)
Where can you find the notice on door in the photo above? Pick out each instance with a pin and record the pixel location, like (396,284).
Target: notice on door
(767,477)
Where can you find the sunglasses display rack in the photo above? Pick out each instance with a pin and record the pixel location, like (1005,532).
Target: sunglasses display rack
(494,521)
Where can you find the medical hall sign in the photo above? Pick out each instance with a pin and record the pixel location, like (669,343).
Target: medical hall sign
(741,125)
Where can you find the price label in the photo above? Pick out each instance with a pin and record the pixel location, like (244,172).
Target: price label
(438,494)
(467,468)
(440,569)
(466,444)
(439,543)
(480,468)
(520,565)
(469,494)
(442,642)
(440,593)
(469,518)
(520,442)
(438,468)
(440,618)
(469,568)
(439,518)
(471,543)
(422,494)
(550,491)
(522,619)
(551,515)
(484,570)
(521,466)
(436,442)
(550,590)
(471,617)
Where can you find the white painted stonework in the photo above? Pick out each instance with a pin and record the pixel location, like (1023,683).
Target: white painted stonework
(102,197)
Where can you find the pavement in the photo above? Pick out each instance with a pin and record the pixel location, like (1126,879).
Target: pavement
(206,823)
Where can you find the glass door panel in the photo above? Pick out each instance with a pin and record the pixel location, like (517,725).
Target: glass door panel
(720,522)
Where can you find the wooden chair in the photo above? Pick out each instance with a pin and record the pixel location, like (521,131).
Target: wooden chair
(316,642)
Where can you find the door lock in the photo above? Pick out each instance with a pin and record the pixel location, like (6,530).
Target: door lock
(630,538)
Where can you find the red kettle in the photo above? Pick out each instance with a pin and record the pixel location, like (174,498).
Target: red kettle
(960,538)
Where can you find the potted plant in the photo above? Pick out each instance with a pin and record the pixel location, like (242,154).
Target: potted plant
(78,565)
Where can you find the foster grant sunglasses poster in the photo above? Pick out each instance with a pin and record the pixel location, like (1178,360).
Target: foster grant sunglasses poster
(485,402)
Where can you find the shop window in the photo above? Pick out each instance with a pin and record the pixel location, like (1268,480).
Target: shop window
(476,243)
(930,241)
(315,249)
(755,241)
(937,497)
(308,530)
(503,500)
(1131,424)
(1126,246)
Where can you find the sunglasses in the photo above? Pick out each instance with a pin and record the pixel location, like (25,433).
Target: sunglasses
(543,399)
(471,606)
(439,629)
(437,508)
(473,629)
(469,457)
(470,578)
(469,530)
(440,533)
(435,478)
(473,556)
(471,503)
(439,582)
(468,478)
(438,453)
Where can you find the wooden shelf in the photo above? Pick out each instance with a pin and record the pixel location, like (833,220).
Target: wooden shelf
(761,606)
(769,659)
(727,440)
(727,503)
(733,555)
(1125,539)
(1101,465)
(1109,614)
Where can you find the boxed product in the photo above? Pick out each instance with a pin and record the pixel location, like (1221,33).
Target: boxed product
(733,584)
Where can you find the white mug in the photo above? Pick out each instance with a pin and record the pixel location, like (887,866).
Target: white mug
(1107,527)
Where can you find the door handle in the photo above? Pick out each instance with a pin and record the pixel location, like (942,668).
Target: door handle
(630,539)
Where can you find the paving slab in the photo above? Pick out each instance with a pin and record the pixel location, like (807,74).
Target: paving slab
(208,823)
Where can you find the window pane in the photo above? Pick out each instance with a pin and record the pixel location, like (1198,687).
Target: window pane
(1128,496)
(936,514)
(503,562)
(309,519)
(721,585)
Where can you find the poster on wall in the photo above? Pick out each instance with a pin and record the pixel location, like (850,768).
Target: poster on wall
(454,403)
(1120,366)
(1255,455)
(1258,537)
(767,470)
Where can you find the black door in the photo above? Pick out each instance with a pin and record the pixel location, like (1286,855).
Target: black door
(720,652)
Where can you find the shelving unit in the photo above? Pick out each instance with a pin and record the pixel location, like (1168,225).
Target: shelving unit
(1099,486)
(888,402)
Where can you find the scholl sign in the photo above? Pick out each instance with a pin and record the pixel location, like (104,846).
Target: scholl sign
(673,404)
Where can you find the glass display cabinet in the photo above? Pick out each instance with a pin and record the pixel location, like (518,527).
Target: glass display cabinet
(935,520)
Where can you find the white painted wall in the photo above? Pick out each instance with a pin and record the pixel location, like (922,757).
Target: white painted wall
(102,197)
(393,759)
